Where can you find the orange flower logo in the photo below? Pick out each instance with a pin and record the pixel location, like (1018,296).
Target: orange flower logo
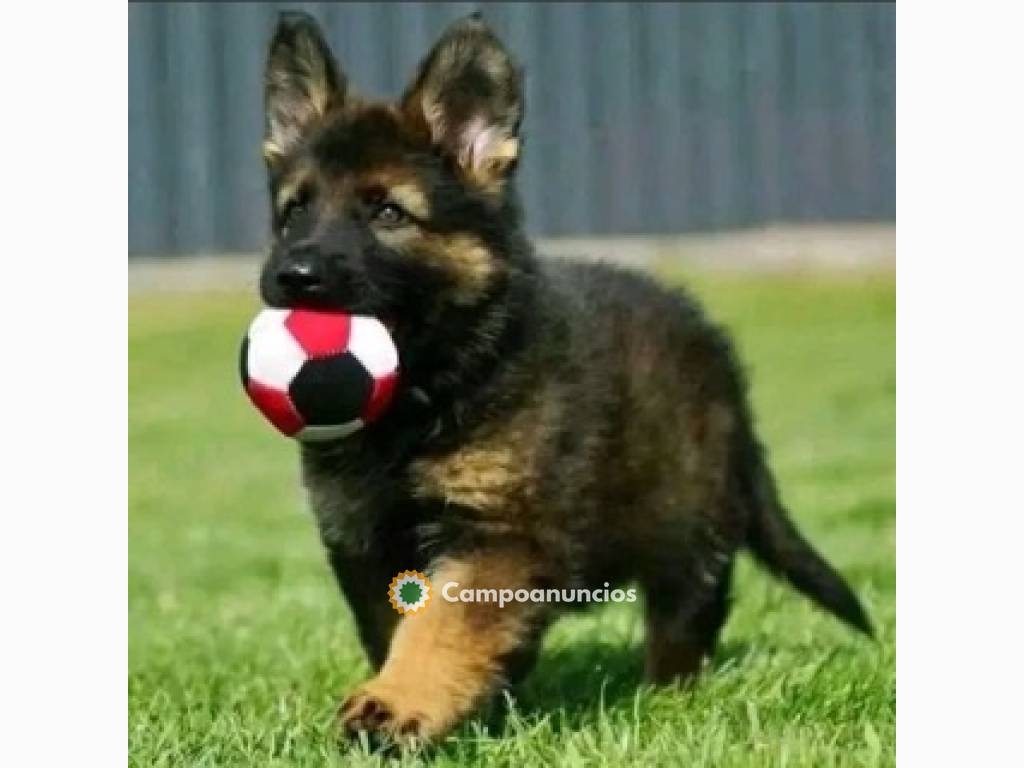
(409,592)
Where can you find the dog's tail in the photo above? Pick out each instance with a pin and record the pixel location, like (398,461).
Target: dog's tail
(776,543)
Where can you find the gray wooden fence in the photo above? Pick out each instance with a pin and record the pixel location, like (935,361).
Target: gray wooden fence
(640,117)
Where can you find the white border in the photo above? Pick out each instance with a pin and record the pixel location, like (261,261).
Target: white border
(63,540)
(960,136)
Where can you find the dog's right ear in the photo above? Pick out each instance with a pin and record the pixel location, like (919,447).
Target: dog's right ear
(468,98)
(302,82)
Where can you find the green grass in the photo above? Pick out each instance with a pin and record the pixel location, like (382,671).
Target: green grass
(240,646)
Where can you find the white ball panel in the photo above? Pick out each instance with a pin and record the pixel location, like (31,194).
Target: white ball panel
(371,343)
(320,432)
(274,355)
(268,318)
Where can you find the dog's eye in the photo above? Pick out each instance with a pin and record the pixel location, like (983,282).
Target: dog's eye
(389,213)
(291,210)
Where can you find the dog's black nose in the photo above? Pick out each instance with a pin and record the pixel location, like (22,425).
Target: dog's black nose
(300,276)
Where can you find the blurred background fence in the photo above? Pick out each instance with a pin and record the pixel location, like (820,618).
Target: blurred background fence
(641,118)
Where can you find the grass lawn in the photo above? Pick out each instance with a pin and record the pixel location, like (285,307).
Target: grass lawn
(240,645)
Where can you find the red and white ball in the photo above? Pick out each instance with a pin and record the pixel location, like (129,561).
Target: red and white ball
(318,375)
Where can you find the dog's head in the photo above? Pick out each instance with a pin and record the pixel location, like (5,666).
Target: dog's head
(390,209)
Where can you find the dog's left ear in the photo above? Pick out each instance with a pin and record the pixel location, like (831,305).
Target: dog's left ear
(301,83)
(468,97)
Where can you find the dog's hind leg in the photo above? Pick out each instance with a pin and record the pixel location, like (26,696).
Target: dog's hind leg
(683,627)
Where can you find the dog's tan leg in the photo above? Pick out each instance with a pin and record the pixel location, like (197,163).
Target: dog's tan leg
(445,659)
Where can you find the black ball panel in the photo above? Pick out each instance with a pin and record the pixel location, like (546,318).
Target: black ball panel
(243,362)
(331,390)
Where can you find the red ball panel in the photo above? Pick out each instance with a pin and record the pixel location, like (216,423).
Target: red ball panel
(319,333)
(276,406)
(380,398)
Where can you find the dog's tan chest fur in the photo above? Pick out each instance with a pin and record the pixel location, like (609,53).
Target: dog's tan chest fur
(497,470)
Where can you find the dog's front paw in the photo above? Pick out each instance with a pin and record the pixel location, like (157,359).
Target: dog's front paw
(389,711)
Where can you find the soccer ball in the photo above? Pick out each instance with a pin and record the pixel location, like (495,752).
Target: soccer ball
(316,375)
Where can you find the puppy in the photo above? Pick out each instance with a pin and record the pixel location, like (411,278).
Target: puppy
(558,425)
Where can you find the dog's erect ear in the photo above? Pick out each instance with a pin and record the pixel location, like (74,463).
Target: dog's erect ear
(468,97)
(301,82)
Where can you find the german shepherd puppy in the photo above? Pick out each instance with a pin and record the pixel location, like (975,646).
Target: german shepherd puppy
(558,425)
